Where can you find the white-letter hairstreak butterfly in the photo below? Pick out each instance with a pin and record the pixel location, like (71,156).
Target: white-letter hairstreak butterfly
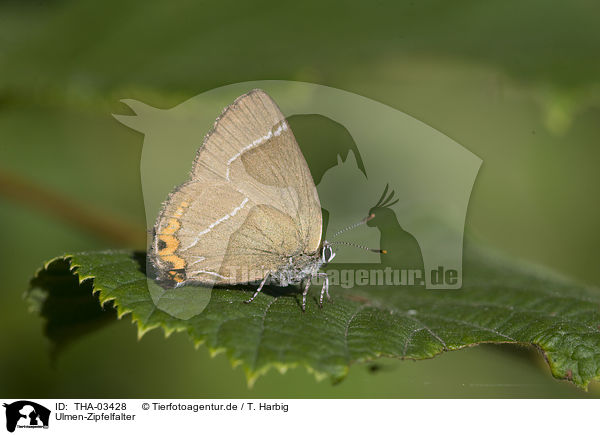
(249,213)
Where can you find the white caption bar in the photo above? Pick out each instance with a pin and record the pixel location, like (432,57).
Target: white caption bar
(260,416)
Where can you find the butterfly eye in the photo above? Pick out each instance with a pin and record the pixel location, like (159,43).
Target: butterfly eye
(328,254)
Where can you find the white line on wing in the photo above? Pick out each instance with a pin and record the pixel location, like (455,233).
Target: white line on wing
(217,222)
(256,142)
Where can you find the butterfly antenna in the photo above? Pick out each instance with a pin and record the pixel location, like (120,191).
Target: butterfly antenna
(351,227)
(377,251)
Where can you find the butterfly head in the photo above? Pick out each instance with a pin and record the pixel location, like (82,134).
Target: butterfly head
(327,253)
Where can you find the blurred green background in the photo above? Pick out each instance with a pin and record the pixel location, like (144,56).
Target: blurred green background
(517,83)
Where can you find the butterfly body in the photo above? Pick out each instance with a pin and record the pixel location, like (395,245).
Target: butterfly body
(299,268)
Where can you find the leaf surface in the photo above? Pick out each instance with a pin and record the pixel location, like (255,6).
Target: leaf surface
(500,302)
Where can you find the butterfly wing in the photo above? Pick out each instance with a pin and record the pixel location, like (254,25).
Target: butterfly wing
(250,205)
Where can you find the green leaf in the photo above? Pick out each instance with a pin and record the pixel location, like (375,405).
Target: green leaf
(500,302)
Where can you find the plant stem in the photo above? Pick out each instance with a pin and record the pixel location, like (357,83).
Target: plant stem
(75,213)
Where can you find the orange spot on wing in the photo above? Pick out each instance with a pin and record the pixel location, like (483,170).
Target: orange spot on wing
(178,263)
(168,252)
(182,206)
(167,235)
(177,277)
(171,244)
(172,226)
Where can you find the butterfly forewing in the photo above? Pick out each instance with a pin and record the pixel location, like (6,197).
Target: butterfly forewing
(250,205)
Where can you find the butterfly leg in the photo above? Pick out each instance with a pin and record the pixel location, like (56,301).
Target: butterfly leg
(324,289)
(258,289)
(304,293)
(324,275)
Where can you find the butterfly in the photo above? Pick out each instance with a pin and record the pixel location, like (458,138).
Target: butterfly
(249,213)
